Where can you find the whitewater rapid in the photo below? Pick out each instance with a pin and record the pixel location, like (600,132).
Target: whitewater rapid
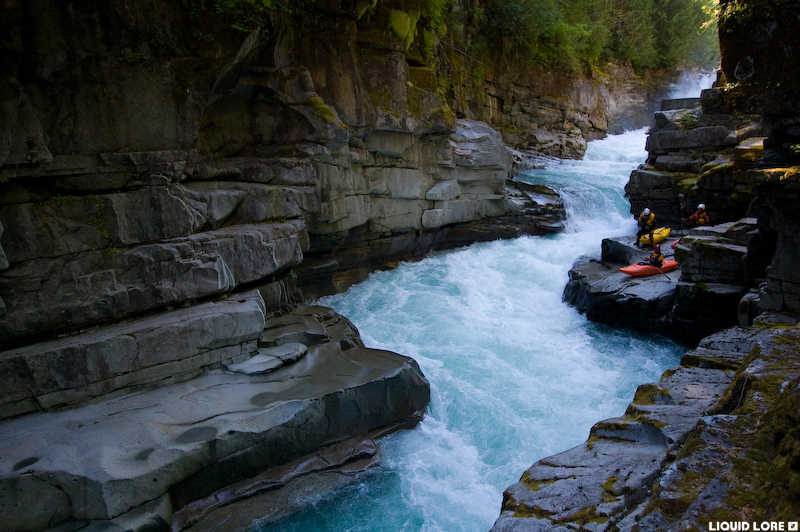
(516,374)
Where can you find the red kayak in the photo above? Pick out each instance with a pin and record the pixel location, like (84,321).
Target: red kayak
(642,270)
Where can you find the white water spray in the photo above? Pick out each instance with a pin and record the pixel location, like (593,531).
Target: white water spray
(691,83)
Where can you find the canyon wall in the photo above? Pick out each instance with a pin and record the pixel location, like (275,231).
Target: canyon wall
(172,188)
(145,146)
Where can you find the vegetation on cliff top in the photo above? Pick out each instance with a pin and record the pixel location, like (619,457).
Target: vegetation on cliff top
(564,35)
(578,34)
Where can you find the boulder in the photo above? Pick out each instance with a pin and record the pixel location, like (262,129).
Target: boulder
(704,308)
(709,259)
(677,163)
(710,137)
(476,144)
(597,288)
(444,191)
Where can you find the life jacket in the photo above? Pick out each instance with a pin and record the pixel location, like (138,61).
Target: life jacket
(656,259)
(700,217)
(647,221)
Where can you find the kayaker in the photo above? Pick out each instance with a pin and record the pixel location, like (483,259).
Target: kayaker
(700,217)
(647,223)
(654,259)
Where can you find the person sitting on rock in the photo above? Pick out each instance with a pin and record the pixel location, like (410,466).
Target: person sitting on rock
(700,217)
(654,259)
(647,223)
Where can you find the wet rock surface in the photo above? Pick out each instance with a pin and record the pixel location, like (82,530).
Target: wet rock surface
(178,443)
(677,457)
(697,155)
(597,288)
(703,296)
(162,348)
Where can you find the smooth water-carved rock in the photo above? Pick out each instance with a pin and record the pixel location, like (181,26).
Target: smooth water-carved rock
(597,288)
(188,440)
(281,491)
(701,297)
(605,294)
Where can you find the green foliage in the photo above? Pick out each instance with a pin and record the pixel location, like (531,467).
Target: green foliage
(572,35)
(687,120)
(128,56)
(661,33)
(100,223)
(435,11)
(521,30)
(201,36)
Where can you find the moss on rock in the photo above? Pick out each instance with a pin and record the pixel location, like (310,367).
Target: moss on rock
(404,25)
(649,394)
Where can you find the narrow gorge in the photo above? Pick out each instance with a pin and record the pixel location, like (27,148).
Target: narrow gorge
(183,186)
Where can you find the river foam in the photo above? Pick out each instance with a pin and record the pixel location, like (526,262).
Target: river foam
(516,375)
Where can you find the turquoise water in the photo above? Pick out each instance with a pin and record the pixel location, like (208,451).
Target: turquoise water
(516,375)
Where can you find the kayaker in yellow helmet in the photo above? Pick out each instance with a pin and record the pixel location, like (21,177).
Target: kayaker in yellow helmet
(647,223)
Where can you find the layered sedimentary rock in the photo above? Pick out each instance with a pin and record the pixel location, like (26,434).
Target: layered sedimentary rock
(202,167)
(702,155)
(598,289)
(707,154)
(165,180)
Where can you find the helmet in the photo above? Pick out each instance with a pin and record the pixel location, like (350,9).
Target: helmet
(657,248)
(702,206)
(646,211)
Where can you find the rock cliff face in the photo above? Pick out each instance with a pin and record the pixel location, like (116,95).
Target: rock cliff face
(337,149)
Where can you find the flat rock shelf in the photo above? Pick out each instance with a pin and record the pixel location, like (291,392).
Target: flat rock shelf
(129,461)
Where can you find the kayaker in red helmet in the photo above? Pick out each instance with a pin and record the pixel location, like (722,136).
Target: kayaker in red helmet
(654,259)
(700,217)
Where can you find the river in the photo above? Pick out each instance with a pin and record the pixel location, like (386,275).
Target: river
(516,374)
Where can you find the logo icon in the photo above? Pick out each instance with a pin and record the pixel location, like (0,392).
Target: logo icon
(792,525)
